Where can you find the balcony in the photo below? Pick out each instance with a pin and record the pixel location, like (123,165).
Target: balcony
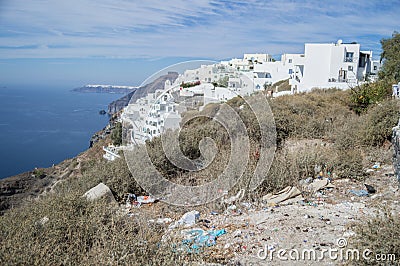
(348,59)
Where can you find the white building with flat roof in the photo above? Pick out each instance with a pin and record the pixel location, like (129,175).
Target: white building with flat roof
(327,65)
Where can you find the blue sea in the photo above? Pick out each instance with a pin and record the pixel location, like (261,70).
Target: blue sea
(41,126)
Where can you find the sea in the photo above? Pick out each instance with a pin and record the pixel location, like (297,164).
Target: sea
(44,125)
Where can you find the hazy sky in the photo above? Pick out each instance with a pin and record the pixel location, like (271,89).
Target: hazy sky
(122,41)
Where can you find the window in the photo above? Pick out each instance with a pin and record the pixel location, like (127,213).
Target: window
(349,57)
(290,61)
(375,67)
(290,71)
(350,68)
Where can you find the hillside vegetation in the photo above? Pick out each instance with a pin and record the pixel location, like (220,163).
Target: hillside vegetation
(325,127)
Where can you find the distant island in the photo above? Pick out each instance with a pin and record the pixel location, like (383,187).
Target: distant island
(105,89)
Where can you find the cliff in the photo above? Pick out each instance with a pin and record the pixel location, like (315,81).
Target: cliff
(157,84)
(105,89)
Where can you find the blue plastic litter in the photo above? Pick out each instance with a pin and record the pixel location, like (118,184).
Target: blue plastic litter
(199,238)
(359,193)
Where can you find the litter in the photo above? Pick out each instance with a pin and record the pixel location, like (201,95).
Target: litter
(376,166)
(188,219)
(231,208)
(370,189)
(145,199)
(359,193)
(319,184)
(235,198)
(198,238)
(246,204)
(161,221)
(287,195)
(130,199)
(237,233)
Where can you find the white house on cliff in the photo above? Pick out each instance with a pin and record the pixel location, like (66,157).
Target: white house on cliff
(340,65)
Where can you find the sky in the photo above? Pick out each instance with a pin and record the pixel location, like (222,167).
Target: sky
(121,42)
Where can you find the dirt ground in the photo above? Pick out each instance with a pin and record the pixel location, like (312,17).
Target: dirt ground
(324,220)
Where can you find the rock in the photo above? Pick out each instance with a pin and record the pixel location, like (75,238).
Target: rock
(43,220)
(99,191)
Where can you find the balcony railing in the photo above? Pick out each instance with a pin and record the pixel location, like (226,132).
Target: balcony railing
(348,59)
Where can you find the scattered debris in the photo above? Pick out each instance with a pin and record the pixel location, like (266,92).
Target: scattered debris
(161,221)
(359,193)
(376,166)
(235,198)
(145,199)
(130,199)
(370,189)
(187,220)
(319,184)
(198,238)
(285,196)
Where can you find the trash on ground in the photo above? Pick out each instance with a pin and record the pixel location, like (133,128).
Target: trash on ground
(376,166)
(187,220)
(198,238)
(130,199)
(319,184)
(145,199)
(285,196)
(235,198)
(359,193)
(161,221)
(370,189)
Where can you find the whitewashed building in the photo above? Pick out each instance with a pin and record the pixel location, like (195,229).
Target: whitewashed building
(327,65)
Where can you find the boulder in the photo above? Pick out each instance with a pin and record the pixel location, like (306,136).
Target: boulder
(99,191)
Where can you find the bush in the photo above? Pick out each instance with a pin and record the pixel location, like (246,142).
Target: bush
(367,94)
(116,134)
(378,123)
(380,235)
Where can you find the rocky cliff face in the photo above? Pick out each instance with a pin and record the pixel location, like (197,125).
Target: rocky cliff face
(396,149)
(105,89)
(157,84)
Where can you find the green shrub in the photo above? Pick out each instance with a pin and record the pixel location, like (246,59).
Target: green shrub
(367,94)
(116,134)
(377,124)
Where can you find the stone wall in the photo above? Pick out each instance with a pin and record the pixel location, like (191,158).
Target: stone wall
(396,149)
